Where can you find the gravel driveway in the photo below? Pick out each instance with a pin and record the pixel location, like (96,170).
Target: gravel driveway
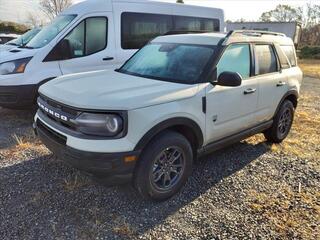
(250,190)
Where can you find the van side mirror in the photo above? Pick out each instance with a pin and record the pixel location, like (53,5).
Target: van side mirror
(229,79)
(62,51)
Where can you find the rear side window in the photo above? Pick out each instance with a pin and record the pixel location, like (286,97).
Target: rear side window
(265,59)
(236,58)
(289,51)
(137,29)
(89,37)
(195,24)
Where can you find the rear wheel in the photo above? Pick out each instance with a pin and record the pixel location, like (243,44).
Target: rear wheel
(164,166)
(281,124)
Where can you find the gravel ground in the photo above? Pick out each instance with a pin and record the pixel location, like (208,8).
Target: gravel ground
(250,190)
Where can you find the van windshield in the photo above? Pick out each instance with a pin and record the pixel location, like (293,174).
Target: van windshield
(172,62)
(48,33)
(25,38)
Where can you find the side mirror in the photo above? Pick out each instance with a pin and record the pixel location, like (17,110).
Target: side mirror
(229,79)
(62,51)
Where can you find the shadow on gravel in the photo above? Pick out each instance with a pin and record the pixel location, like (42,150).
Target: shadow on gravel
(44,199)
(14,122)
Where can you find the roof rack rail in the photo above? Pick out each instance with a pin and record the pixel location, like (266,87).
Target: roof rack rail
(257,33)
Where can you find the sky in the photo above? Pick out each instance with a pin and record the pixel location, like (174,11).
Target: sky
(18,10)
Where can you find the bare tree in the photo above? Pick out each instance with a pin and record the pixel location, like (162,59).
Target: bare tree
(282,13)
(52,8)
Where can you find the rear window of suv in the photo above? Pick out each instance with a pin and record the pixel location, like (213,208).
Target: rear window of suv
(290,53)
(265,59)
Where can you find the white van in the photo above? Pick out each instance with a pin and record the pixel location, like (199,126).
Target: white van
(94,35)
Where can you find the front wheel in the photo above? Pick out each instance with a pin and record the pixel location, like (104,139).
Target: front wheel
(164,166)
(282,123)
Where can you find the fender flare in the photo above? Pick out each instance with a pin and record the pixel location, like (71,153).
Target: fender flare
(170,123)
(289,93)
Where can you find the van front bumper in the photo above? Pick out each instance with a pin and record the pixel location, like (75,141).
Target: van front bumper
(114,168)
(20,96)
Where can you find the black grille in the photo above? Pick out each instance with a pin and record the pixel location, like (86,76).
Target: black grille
(63,110)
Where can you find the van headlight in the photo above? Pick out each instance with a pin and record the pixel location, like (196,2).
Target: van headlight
(108,125)
(15,66)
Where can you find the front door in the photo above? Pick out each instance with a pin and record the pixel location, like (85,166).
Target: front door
(232,109)
(92,45)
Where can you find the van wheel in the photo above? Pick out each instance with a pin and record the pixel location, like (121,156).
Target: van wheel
(282,123)
(164,166)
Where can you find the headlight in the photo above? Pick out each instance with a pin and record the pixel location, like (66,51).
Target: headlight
(15,66)
(108,125)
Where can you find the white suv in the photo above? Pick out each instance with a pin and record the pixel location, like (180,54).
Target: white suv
(176,98)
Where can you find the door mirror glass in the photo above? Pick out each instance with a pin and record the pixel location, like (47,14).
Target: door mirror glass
(229,79)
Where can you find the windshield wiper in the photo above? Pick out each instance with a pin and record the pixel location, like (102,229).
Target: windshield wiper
(13,44)
(27,47)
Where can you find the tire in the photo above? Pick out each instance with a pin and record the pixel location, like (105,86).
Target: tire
(154,164)
(282,123)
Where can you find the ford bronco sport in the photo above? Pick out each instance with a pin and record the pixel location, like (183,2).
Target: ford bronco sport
(177,97)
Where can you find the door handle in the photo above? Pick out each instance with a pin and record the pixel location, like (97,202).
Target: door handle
(107,58)
(280,84)
(249,91)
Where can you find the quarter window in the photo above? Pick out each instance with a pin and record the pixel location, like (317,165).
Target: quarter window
(139,28)
(265,60)
(236,58)
(89,37)
(290,53)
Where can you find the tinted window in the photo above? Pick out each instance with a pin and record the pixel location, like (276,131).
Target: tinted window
(171,62)
(139,28)
(195,24)
(236,58)
(265,59)
(89,37)
(289,52)
(96,34)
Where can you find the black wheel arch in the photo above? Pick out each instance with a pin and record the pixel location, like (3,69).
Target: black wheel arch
(291,95)
(185,126)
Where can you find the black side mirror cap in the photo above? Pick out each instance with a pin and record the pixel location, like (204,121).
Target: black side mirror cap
(229,79)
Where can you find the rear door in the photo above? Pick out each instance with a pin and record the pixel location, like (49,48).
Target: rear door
(92,45)
(272,80)
(232,109)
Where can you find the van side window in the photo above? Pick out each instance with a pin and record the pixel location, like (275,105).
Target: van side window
(195,24)
(290,53)
(236,58)
(89,37)
(265,59)
(137,29)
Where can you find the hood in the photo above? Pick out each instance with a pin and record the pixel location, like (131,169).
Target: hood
(110,90)
(6,56)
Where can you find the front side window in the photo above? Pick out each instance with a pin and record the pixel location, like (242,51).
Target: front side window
(290,53)
(265,59)
(89,37)
(139,28)
(236,58)
(170,62)
(48,33)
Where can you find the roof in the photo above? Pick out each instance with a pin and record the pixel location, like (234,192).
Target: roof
(231,37)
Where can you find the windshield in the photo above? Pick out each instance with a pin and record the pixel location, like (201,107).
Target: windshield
(182,63)
(25,38)
(50,32)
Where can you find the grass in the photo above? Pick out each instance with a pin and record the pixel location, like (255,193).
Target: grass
(310,67)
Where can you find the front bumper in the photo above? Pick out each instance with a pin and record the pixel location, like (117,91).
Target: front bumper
(20,96)
(113,167)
